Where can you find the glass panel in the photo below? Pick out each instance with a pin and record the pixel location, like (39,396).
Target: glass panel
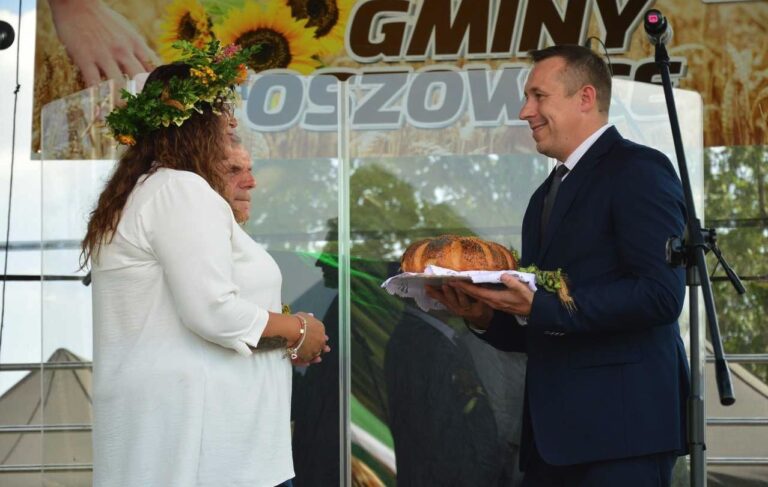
(297,173)
(19,387)
(77,155)
(21,331)
(73,127)
(20,406)
(736,209)
(433,159)
(737,206)
(437,157)
(290,124)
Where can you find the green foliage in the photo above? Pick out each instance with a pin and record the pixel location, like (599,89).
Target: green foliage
(394,201)
(552,281)
(737,206)
(213,73)
(146,111)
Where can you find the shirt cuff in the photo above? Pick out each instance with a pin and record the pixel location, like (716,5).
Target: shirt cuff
(521,320)
(473,328)
(478,331)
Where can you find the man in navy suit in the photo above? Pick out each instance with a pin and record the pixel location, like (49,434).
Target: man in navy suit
(606,384)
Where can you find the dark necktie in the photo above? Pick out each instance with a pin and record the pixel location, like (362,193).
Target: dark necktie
(549,200)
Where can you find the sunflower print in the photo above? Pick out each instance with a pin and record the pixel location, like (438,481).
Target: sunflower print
(185,20)
(285,43)
(328,18)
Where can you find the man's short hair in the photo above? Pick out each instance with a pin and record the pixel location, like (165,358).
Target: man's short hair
(583,67)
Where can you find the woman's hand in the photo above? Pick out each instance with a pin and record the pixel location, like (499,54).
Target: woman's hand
(315,342)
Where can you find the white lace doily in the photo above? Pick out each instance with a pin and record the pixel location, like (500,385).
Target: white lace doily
(411,284)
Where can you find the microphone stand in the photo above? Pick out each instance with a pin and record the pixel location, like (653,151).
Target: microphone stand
(690,253)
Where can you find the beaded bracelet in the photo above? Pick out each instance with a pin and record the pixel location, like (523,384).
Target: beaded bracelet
(293,352)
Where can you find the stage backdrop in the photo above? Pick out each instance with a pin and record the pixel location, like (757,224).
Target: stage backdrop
(718,47)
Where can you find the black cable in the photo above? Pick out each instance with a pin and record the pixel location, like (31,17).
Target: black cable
(588,45)
(10,179)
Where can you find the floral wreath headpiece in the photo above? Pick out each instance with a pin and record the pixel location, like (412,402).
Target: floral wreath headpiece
(214,71)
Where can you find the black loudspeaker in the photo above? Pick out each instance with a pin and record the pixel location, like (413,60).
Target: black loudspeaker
(6,35)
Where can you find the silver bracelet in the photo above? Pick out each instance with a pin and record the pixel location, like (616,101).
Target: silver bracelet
(293,352)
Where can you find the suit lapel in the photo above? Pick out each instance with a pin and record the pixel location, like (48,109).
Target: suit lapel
(571,185)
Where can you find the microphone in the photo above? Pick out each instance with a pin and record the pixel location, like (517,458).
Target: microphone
(656,27)
(6,35)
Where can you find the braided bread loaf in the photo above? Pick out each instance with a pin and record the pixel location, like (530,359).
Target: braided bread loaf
(457,253)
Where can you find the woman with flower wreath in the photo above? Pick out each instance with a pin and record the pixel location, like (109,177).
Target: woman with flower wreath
(185,392)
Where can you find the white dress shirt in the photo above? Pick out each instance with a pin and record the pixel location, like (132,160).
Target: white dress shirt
(582,149)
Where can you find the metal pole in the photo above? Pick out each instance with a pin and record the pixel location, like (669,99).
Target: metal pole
(696,415)
(345,312)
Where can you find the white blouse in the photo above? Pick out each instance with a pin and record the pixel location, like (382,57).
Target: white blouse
(179,294)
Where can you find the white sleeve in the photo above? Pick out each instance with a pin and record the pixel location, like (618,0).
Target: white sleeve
(189,228)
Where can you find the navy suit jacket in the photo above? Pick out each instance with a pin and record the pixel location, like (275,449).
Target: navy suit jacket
(610,379)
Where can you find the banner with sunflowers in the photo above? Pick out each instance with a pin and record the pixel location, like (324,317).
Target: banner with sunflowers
(718,48)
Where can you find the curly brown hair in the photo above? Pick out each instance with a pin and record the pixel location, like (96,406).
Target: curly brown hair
(198,146)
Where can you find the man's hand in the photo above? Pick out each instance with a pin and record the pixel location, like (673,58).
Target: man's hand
(462,305)
(516,299)
(100,41)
